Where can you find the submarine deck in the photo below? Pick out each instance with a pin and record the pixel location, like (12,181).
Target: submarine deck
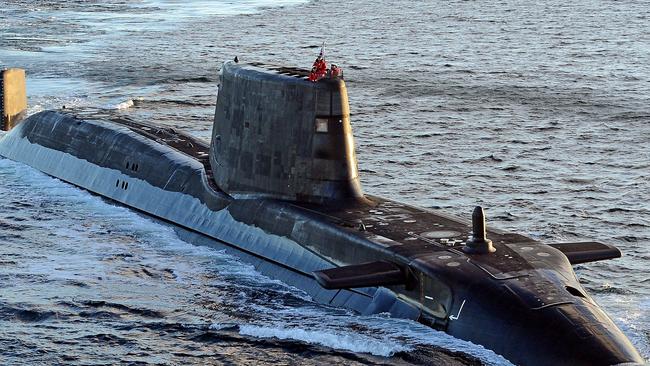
(413,232)
(180,141)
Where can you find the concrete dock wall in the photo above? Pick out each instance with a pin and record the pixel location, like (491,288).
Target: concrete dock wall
(13,97)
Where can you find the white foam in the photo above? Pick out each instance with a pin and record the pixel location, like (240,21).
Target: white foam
(333,339)
(422,335)
(378,334)
(631,314)
(124,105)
(201,8)
(222,326)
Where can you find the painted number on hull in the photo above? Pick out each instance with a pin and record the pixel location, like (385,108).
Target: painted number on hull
(455,317)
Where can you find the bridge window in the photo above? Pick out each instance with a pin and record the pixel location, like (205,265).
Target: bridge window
(322,125)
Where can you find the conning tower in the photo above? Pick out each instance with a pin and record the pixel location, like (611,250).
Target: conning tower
(278,135)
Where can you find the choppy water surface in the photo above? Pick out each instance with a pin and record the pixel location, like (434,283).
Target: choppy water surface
(538,112)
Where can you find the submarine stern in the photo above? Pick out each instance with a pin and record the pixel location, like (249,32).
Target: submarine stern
(278,135)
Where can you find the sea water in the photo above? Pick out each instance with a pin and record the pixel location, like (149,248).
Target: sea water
(538,112)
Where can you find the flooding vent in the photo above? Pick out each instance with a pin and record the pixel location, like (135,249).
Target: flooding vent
(13,97)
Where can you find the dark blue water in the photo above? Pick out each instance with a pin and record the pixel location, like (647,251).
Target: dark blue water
(538,112)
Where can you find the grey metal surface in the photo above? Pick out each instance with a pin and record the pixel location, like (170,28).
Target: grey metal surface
(281,136)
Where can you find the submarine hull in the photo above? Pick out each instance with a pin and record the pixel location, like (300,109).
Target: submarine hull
(495,301)
(279,185)
(115,162)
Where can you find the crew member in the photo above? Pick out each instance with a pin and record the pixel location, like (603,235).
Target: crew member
(319,69)
(335,72)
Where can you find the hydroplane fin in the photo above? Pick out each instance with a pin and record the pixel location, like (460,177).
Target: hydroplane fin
(588,251)
(379,273)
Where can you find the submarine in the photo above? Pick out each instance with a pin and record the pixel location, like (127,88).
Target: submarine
(279,184)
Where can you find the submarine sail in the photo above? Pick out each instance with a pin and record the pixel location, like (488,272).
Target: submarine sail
(278,136)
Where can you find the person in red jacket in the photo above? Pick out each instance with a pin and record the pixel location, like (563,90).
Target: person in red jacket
(319,69)
(335,72)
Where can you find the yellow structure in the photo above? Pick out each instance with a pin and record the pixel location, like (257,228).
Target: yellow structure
(13,96)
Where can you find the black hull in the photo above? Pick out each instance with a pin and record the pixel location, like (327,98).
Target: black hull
(173,186)
(523,302)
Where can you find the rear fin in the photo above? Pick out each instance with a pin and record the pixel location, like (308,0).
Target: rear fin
(380,273)
(13,97)
(588,251)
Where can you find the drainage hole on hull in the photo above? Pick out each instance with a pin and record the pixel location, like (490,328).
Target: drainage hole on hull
(117,184)
(126,186)
(574,291)
(127,165)
(122,185)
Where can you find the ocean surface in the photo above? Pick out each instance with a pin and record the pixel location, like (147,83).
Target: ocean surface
(538,112)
